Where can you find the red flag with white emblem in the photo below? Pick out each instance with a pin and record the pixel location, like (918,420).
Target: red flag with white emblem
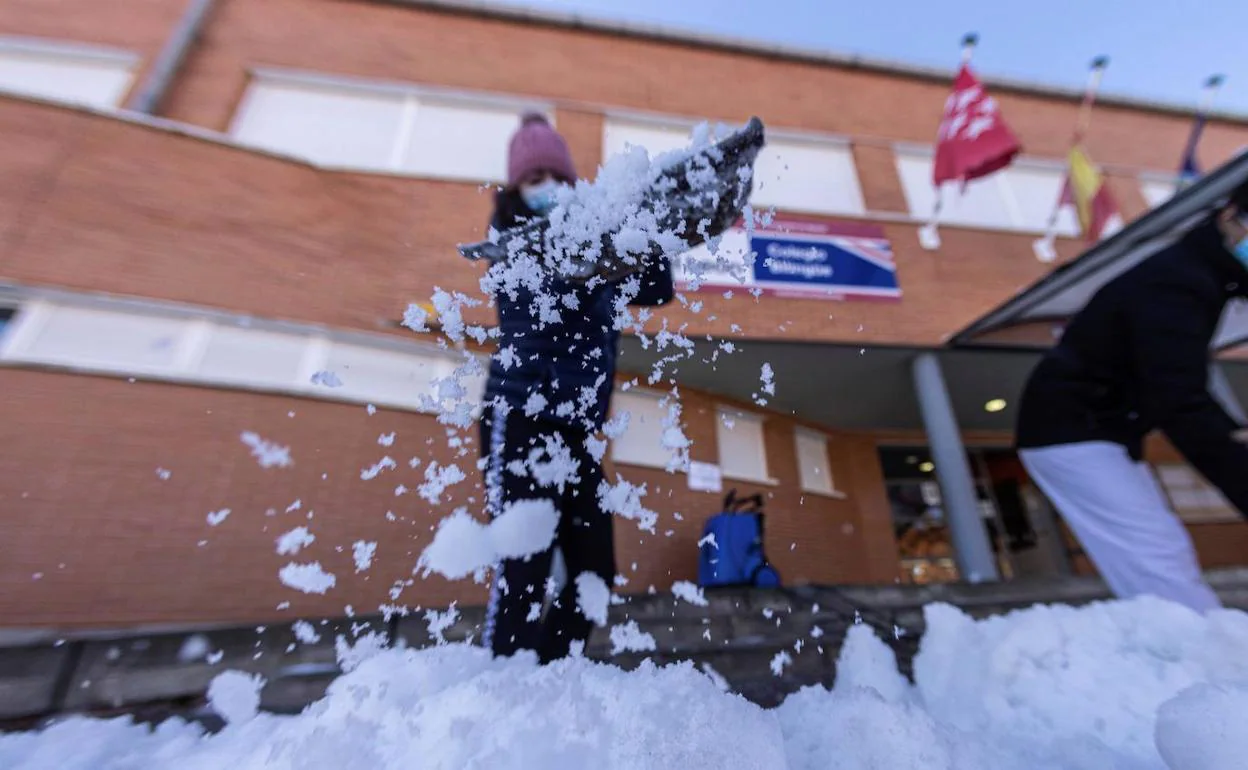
(974,140)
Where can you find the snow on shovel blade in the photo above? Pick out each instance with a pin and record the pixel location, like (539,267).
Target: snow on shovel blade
(695,198)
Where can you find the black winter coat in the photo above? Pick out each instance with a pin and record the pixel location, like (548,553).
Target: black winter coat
(563,371)
(1136,359)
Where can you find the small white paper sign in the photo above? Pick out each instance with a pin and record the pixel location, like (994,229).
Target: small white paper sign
(705,477)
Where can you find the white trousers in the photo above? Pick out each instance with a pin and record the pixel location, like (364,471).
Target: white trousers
(1120,515)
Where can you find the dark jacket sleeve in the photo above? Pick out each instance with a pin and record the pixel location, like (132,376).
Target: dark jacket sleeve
(657,287)
(1170,339)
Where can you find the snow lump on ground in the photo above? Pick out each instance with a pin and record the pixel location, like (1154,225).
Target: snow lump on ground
(1140,685)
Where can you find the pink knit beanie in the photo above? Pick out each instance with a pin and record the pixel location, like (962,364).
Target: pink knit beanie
(536,146)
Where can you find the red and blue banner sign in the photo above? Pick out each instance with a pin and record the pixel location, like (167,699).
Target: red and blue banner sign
(793,257)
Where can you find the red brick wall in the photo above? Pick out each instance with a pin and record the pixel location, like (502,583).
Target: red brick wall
(354,248)
(80,483)
(93,203)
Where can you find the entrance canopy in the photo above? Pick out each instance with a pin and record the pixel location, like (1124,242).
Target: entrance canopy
(1057,297)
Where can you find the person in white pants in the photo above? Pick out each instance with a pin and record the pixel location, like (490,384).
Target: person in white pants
(1136,359)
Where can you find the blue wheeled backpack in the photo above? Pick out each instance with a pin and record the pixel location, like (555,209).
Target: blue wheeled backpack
(731,549)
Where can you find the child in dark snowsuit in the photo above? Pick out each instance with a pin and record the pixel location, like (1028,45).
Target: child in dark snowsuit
(547,395)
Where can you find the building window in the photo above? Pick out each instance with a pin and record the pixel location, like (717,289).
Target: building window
(742,449)
(641,442)
(1020,197)
(814,469)
(65,72)
(805,175)
(369,127)
(1194,499)
(125,342)
(1157,191)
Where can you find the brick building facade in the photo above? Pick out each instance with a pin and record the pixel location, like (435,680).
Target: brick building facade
(174,279)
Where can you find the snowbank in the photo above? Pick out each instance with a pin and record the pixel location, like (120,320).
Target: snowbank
(1141,685)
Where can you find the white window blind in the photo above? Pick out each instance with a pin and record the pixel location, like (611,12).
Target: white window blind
(1020,197)
(814,468)
(806,175)
(241,356)
(328,126)
(124,342)
(65,72)
(812,177)
(371,128)
(641,443)
(742,449)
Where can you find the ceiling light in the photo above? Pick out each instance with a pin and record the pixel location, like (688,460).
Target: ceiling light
(995,405)
(927,467)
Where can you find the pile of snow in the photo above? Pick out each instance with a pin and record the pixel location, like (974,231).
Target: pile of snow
(1141,685)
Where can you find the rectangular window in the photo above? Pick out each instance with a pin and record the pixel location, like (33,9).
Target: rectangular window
(657,138)
(641,443)
(742,449)
(808,175)
(328,126)
(814,468)
(242,356)
(1021,197)
(385,376)
(376,128)
(65,72)
(91,338)
(124,342)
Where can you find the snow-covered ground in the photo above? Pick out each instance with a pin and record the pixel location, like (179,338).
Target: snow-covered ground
(1117,686)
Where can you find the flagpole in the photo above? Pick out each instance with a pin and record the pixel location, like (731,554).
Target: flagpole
(1043,248)
(1208,93)
(929,234)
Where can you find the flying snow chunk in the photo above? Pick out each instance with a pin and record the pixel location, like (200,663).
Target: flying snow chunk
(305,632)
(386,439)
(689,592)
(630,638)
(437,479)
(416,318)
(524,528)
(440,622)
(592,597)
(195,647)
(294,541)
(385,463)
(460,547)
(363,553)
(308,578)
(217,517)
(624,499)
(464,546)
(235,696)
(267,453)
(782,660)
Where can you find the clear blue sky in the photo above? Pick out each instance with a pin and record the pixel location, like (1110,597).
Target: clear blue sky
(1159,49)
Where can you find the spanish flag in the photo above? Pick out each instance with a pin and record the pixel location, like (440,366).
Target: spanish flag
(1086,190)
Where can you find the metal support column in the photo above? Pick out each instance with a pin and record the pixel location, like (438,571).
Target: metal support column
(957,487)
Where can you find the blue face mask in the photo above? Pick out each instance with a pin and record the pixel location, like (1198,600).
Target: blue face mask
(541,197)
(1240,250)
